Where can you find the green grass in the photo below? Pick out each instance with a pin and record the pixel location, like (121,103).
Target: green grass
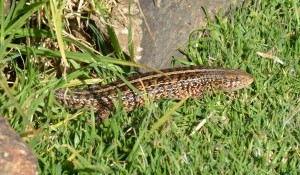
(252,131)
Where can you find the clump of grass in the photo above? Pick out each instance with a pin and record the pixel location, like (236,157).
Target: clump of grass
(252,131)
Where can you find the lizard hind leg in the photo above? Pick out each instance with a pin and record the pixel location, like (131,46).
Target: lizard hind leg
(101,115)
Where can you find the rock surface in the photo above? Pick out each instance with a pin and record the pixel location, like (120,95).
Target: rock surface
(16,158)
(160,27)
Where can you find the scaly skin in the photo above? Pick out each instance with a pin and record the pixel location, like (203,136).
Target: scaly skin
(177,83)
